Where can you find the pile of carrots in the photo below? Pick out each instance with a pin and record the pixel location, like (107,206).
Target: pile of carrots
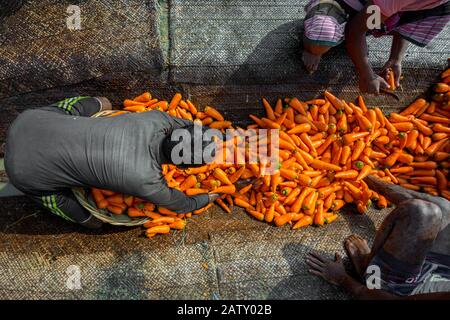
(327,146)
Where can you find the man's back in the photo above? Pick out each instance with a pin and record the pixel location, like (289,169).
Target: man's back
(49,151)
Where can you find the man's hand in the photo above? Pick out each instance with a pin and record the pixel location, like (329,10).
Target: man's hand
(332,271)
(396,67)
(213,196)
(372,84)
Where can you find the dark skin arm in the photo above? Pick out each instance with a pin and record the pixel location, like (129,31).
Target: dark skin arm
(334,273)
(398,51)
(396,194)
(356,43)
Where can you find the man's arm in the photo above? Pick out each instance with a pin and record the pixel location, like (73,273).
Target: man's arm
(356,30)
(176,200)
(396,194)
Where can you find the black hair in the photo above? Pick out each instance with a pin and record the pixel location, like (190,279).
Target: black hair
(184,139)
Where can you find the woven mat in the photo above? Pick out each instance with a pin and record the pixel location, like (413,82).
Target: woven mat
(224,53)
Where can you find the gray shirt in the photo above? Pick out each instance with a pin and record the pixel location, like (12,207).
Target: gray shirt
(49,151)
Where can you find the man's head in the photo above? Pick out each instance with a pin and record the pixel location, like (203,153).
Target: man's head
(191,146)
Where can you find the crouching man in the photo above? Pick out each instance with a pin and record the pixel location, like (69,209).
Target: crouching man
(410,256)
(52,149)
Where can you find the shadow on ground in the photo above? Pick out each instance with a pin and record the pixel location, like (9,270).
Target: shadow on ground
(19,213)
(301,283)
(273,73)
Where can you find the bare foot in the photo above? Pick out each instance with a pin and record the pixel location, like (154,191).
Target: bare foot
(358,251)
(311,61)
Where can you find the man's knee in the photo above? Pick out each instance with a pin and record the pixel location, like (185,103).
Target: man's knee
(423,212)
(315,49)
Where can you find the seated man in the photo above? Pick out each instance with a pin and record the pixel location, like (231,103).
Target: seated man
(55,148)
(329,22)
(411,250)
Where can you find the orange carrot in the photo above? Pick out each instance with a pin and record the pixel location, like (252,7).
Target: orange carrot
(303,127)
(403,126)
(349,138)
(269,111)
(134,212)
(349,174)
(292,195)
(99,199)
(303,222)
(362,104)
(337,103)
(209,205)
(318,217)
(365,171)
(269,215)
(158,230)
(258,215)
(188,183)
(288,174)
(222,176)
(282,220)
(391,79)
(424,180)
(441,178)
(115,199)
(213,113)
(432,149)
(116,209)
(413,107)
(178,225)
(322,165)
(422,128)
(245,189)
(195,191)
(440,128)
(229,189)
(175,101)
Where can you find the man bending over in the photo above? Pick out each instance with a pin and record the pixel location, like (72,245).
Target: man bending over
(55,148)
(411,250)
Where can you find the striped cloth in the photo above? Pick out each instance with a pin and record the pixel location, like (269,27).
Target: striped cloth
(418,27)
(326,19)
(421,33)
(324,22)
(355,4)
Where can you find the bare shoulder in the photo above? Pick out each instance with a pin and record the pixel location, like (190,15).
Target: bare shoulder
(442,242)
(444,205)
